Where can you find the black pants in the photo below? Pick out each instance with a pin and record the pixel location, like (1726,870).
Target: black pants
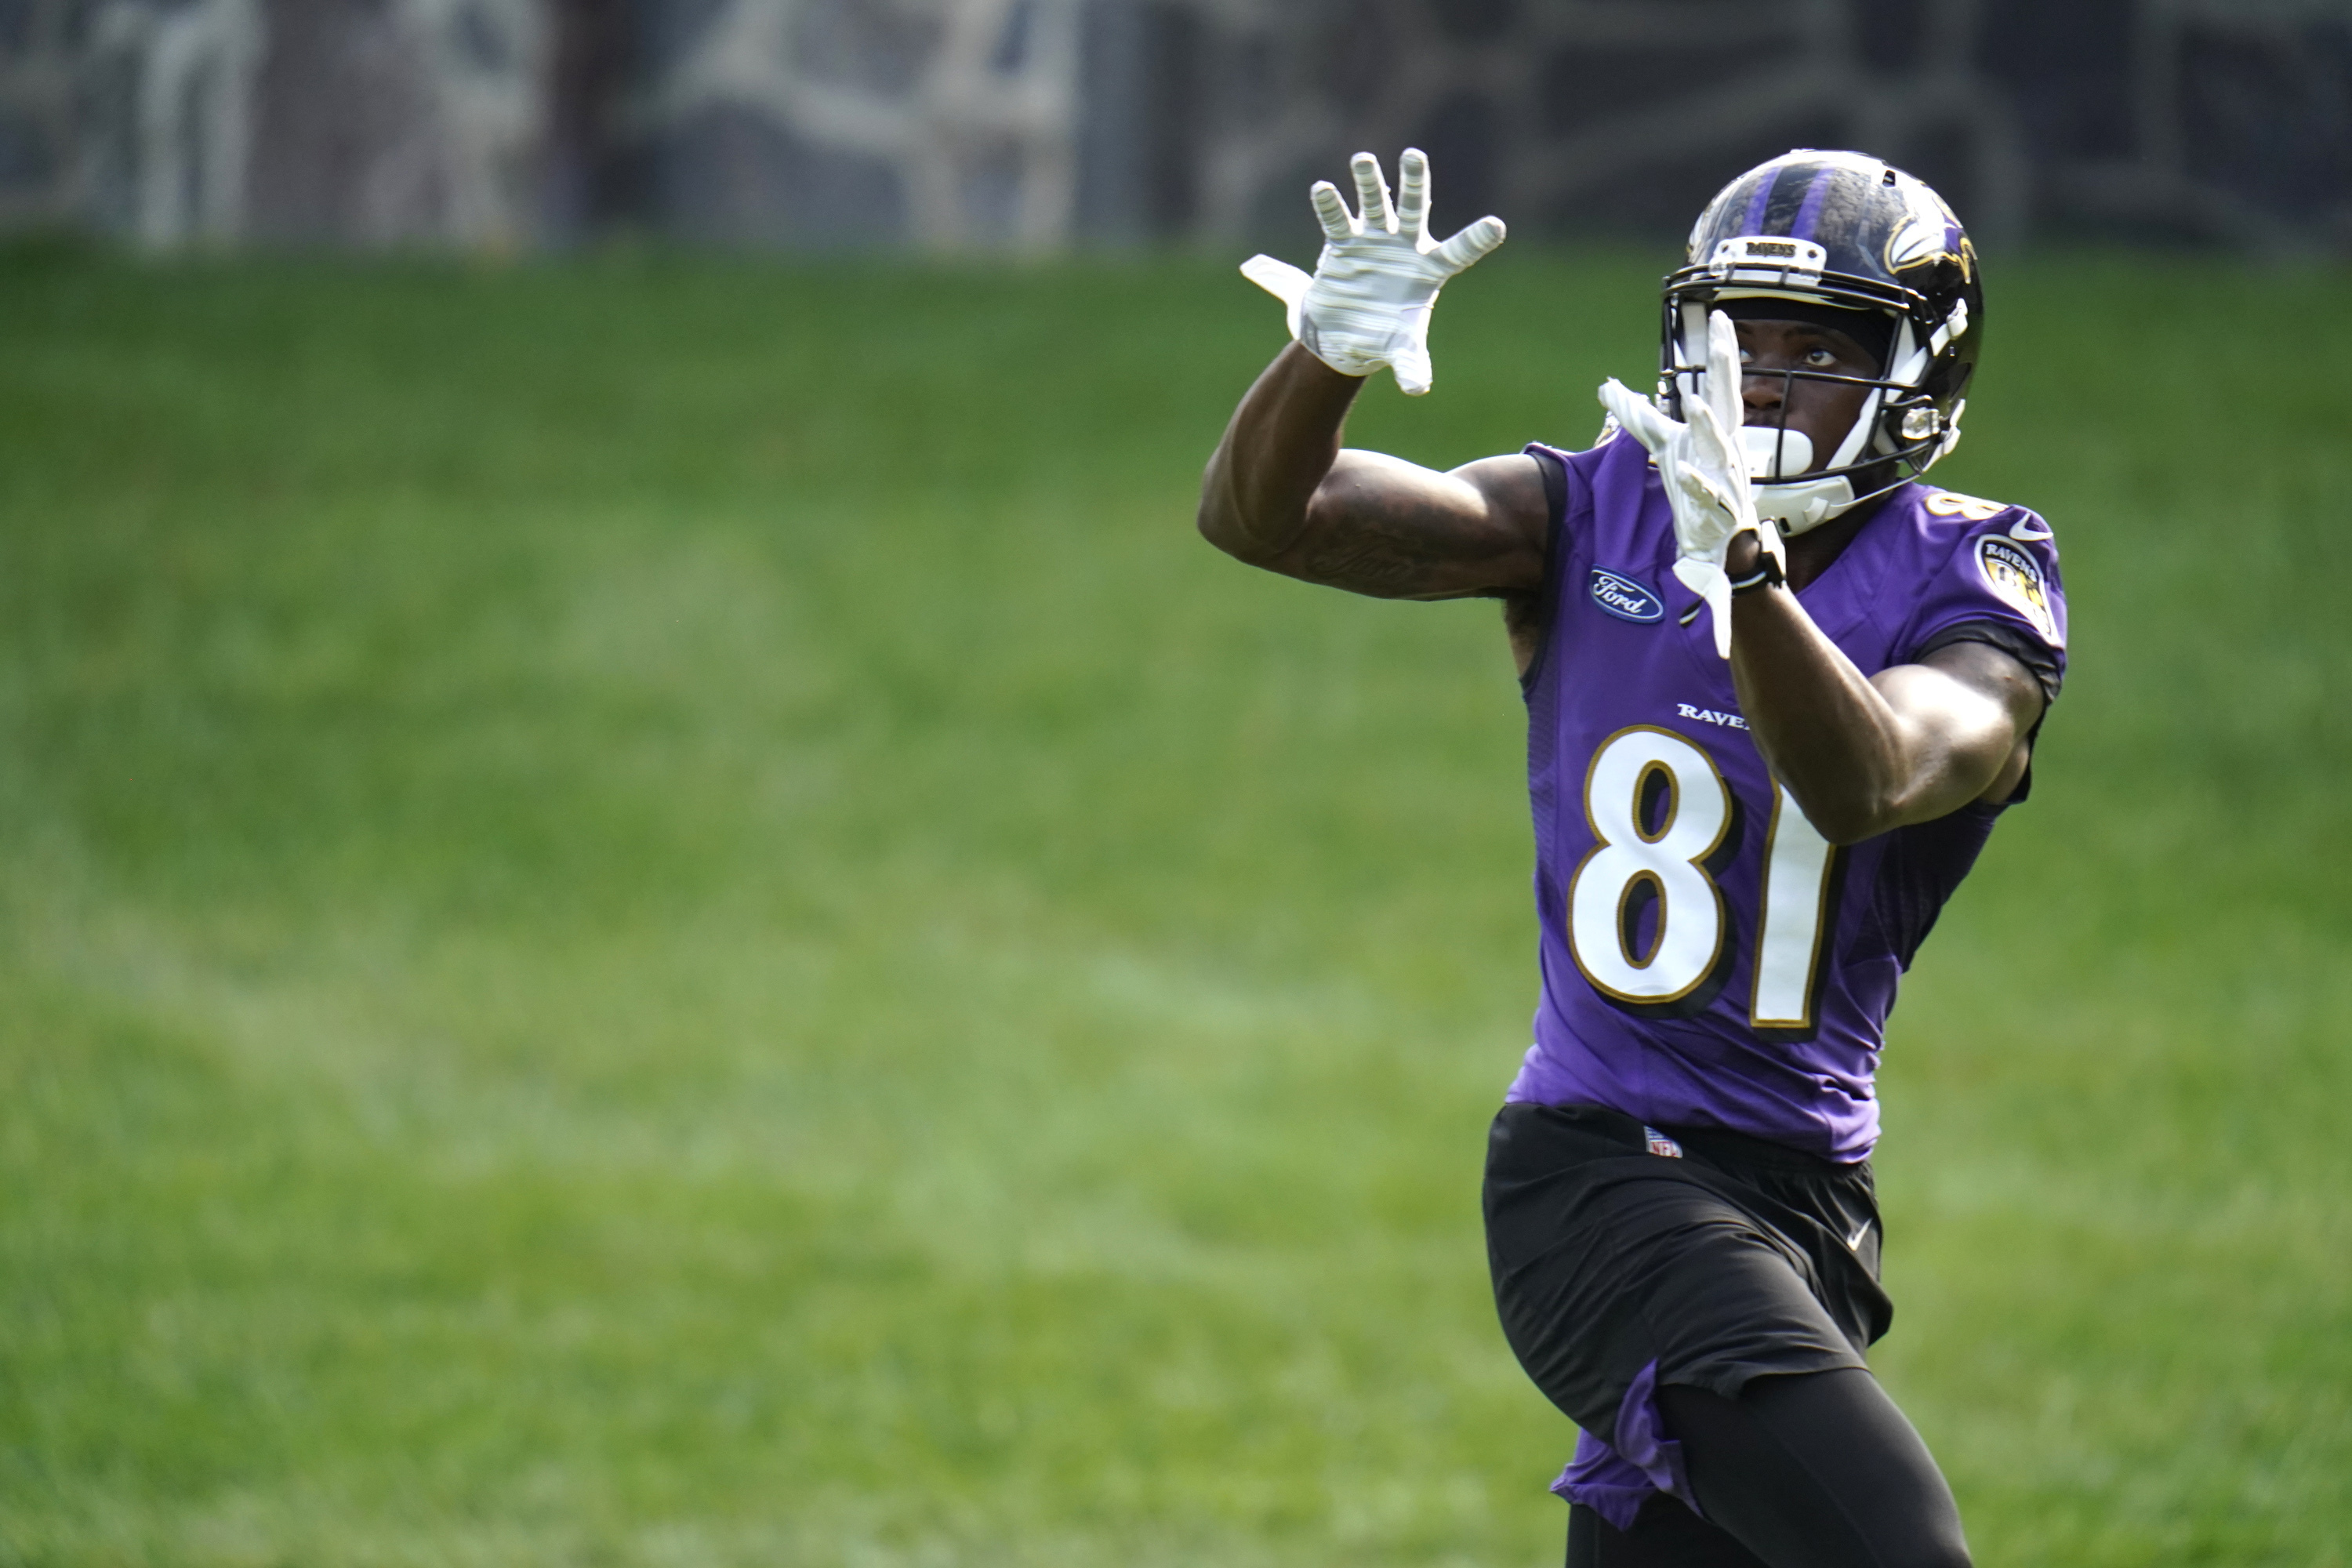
(1816,1470)
(1738,1281)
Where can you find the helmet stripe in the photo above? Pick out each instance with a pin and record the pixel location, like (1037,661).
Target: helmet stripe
(1809,216)
(1754,220)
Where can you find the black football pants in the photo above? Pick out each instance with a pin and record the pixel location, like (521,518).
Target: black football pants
(1814,1470)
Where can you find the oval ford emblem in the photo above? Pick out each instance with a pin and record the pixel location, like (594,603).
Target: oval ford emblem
(1627,598)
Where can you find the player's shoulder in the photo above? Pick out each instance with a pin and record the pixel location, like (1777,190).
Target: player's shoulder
(1952,515)
(1992,547)
(1610,476)
(1947,525)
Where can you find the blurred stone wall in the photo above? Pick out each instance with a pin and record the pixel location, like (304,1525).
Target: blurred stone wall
(368,122)
(1035,125)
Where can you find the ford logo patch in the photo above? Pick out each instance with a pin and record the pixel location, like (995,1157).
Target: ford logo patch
(1626,598)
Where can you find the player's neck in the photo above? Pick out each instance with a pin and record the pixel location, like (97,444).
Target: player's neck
(1811,552)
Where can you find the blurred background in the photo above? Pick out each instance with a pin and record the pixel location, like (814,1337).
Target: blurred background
(657,909)
(1040,125)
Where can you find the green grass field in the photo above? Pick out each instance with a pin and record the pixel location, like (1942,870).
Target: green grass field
(662,912)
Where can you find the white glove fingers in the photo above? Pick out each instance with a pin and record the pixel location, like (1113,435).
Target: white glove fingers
(1366,304)
(1726,383)
(1278,278)
(1413,197)
(1337,225)
(1714,512)
(1472,243)
(1281,279)
(1372,195)
(1637,414)
(1710,443)
(1718,448)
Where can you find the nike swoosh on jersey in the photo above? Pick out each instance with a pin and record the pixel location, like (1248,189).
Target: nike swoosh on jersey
(2029,532)
(1853,1242)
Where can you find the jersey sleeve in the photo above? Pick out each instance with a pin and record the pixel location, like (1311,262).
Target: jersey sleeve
(1999,584)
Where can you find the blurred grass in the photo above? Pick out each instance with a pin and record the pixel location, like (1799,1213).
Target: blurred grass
(661,912)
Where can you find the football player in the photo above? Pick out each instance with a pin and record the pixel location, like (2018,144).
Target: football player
(1779,692)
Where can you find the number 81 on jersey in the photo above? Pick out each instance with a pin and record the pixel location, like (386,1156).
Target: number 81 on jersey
(1659,808)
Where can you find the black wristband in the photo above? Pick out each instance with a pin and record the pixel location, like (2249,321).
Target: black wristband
(1768,574)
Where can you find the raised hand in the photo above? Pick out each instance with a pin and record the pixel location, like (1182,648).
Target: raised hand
(1367,301)
(1704,468)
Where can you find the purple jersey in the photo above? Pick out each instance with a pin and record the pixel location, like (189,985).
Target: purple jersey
(1709,958)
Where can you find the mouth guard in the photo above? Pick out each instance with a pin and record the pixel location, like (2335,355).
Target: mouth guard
(1762,443)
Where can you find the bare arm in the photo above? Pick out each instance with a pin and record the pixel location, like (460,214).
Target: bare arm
(1866,755)
(1281,492)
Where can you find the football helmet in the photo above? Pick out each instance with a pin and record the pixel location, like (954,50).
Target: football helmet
(1841,231)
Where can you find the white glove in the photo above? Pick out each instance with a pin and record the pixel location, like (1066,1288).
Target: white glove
(1367,303)
(1704,468)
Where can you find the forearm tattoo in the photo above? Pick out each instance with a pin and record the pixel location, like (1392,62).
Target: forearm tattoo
(1395,556)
